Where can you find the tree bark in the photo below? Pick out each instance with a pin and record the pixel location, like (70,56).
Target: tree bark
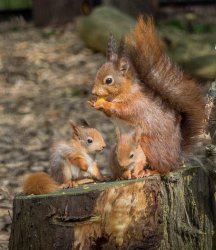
(175,211)
(55,12)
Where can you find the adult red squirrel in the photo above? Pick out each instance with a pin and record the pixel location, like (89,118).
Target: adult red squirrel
(140,87)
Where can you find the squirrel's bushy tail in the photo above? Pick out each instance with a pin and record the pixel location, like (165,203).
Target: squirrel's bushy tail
(156,71)
(39,183)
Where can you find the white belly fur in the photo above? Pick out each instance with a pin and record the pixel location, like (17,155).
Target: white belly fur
(76,172)
(90,163)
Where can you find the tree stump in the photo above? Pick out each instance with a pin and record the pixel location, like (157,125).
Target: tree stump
(175,211)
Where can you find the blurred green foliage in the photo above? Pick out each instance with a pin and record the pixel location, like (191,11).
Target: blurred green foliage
(48,32)
(15,4)
(190,25)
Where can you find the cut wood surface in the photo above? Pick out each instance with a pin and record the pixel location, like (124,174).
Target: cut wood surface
(175,211)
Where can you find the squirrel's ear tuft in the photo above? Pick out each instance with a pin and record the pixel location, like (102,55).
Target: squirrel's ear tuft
(137,136)
(124,65)
(75,128)
(111,49)
(84,123)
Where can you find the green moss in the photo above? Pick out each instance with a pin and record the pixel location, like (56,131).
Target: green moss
(95,28)
(86,188)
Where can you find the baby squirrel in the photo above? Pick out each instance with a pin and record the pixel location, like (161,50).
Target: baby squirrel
(140,87)
(127,159)
(72,163)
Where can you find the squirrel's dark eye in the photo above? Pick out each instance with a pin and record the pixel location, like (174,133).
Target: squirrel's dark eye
(108,80)
(131,155)
(89,140)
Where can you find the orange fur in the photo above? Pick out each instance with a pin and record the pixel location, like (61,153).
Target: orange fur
(166,80)
(39,183)
(71,163)
(78,161)
(121,164)
(74,155)
(149,91)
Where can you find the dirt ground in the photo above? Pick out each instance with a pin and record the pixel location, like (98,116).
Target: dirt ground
(45,80)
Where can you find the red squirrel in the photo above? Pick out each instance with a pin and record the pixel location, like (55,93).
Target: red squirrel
(72,163)
(139,86)
(127,159)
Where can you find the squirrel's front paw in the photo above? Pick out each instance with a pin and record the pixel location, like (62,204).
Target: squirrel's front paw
(92,102)
(68,184)
(97,104)
(126,175)
(139,175)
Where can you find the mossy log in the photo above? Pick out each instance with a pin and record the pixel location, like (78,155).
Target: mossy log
(95,28)
(175,211)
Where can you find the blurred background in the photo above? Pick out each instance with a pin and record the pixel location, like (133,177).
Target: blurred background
(49,54)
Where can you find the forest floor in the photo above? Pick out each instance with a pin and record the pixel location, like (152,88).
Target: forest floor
(46,77)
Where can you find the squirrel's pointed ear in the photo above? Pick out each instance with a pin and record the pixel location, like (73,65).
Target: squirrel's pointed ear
(124,65)
(118,133)
(137,136)
(111,49)
(84,123)
(75,128)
